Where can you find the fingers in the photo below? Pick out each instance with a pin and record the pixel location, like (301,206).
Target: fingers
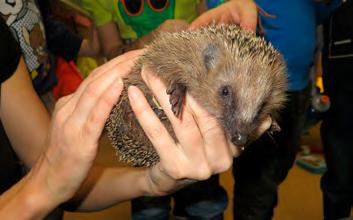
(186,130)
(242,12)
(154,129)
(248,17)
(90,94)
(264,126)
(131,55)
(213,15)
(88,108)
(199,134)
(100,110)
(216,144)
(128,60)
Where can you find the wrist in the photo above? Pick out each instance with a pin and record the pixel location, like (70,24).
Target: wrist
(158,183)
(26,200)
(36,201)
(40,196)
(42,193)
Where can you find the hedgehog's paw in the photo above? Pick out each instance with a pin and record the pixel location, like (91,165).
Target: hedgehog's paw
(274,127)
(177,93)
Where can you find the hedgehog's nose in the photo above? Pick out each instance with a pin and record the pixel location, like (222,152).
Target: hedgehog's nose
(240,139)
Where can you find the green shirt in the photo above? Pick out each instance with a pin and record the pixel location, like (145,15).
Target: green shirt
(132,27)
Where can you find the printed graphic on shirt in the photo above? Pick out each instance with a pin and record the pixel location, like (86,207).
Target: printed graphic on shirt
(24,19)
(144,16)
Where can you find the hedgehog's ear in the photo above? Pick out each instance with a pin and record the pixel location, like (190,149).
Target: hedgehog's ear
(210,55)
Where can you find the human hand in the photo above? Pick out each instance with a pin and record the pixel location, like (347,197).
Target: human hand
(172,25)
(78,121)
(242,12)
(202,148)
(90,46)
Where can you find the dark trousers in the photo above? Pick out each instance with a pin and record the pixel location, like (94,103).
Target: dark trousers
(265,163)
(205,200)
(10,167)
(337,139)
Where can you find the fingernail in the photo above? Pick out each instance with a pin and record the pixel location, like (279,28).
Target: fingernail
(133,92)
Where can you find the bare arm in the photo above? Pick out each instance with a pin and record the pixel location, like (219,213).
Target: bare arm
(110,39)
(90,46)
(69,145)
(23,115)
(72,141)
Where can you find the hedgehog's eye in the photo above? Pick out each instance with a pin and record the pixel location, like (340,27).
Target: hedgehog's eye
(225,91)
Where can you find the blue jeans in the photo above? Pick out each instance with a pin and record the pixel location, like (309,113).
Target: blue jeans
(201,200)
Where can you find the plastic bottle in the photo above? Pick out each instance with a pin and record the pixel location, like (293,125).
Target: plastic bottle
(320,104)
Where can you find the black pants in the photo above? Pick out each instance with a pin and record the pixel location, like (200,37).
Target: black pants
(265,163)
(10,167)
(337,138)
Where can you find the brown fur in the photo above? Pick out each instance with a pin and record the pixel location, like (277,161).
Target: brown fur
(236,76)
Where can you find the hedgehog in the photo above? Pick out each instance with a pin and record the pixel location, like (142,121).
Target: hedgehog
(238,77)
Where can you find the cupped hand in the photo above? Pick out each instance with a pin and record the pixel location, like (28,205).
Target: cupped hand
(202,148)
(77,124)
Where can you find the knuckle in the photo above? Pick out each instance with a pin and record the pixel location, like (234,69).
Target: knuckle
(174,172)
(187,123)
(91,91)
(94,118)
(59,117)
(124,67)
(108,101)
(88,127)
(94,73)
(223,165)
(204,173)
(155,132)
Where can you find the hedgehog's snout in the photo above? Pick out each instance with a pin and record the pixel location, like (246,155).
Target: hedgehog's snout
(240,139)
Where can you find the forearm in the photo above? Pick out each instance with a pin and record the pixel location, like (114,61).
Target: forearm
(110,41)
(107,186)
(90,46)
(23,115)
(29,198)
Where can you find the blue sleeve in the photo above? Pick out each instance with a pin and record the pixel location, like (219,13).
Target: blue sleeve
(323,11)
(61,40)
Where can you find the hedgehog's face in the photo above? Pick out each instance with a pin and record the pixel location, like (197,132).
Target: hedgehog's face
(246,91)
(243,101)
